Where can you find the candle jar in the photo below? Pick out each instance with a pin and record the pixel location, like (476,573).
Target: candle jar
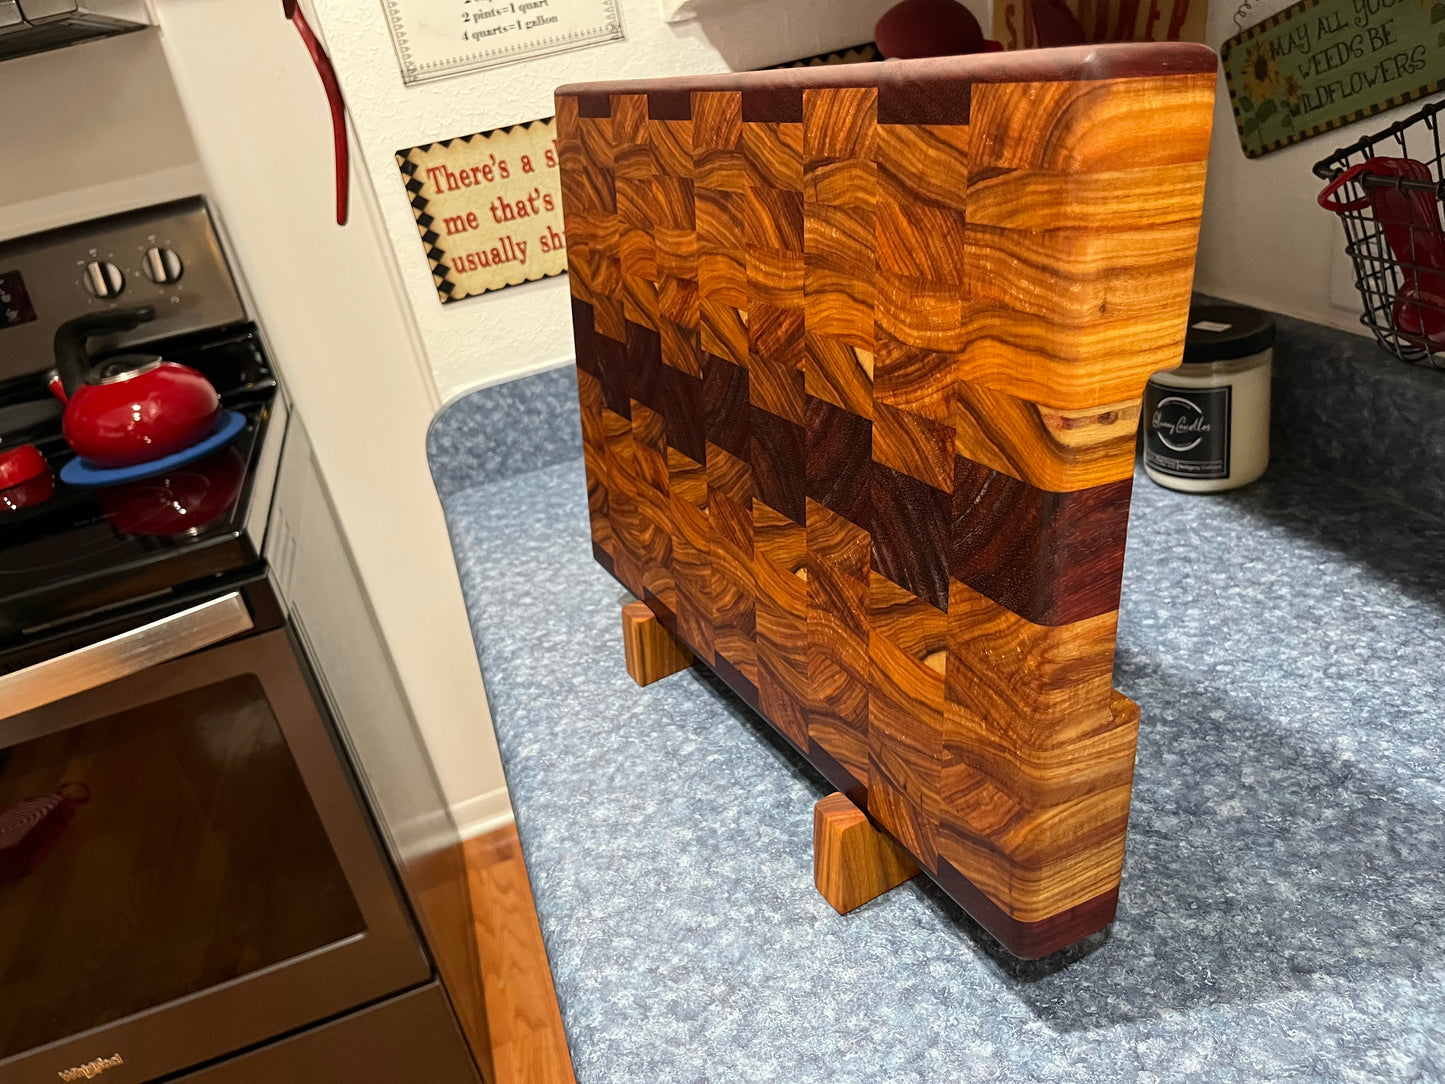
(1206,423)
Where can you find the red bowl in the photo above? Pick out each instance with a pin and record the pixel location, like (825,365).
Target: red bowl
(37,490)
(21,464)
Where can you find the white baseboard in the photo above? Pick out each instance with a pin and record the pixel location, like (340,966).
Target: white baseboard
(483,813)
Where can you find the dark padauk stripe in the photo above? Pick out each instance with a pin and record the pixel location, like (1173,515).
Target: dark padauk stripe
(683,407)
(778,450)
(603,558)
(839,461)
(901,80)
(610,368)
(665,617)
(1052,558)
(644,365)
(775,105)
(726,410)
(594,104)
(734,680)
(909,527)
(669,105)
(905,100)
(836,774)
(583,333)
(1027,940)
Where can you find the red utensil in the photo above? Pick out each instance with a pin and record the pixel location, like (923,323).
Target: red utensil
(21,464)
(25,478)
(132,408)
(29,830)
(329,81)
(27,494)
(1410,218)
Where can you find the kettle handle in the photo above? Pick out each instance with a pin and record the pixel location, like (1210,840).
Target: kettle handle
(71,358)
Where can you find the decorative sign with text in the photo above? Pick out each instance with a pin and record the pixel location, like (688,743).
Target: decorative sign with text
(434,38)
(489,207)
(866,53)
(1321,64)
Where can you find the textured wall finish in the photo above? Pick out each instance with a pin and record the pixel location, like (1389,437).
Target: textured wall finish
(524,328)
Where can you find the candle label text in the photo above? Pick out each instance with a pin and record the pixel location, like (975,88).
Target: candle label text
(1186,431)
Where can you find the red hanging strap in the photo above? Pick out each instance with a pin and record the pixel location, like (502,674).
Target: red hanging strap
(333,98)
(1327,199)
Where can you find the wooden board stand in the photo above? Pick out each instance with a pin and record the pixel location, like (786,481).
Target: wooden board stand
(853,862)
(652,653)
(860,353)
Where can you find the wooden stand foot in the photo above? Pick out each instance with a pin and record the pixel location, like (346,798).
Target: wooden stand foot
(853,862)
(652,652)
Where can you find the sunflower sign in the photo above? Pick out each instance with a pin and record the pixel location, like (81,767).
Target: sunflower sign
(1321,64)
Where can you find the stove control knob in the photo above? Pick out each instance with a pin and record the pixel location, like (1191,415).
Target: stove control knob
(163,266)
(104,279)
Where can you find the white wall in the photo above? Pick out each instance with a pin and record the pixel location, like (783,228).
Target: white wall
(522,329)
(344,342)
(1264,240)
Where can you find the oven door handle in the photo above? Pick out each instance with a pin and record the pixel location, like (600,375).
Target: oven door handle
(124,654)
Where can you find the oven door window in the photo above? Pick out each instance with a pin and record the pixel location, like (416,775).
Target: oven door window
(200,840)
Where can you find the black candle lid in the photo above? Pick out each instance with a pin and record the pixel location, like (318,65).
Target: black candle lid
(1220,332)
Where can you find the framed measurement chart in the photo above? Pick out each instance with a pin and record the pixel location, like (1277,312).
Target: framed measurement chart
(437,38)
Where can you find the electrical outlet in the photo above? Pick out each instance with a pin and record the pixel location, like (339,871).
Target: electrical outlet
(1343,292)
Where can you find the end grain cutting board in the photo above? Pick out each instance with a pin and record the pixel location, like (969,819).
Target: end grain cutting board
(860,353)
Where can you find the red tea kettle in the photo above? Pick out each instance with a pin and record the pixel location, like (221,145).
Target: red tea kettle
(131,408)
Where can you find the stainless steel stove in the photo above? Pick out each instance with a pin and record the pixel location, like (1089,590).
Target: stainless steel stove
(196,879)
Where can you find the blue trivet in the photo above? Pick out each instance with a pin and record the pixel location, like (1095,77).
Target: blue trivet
(80,473)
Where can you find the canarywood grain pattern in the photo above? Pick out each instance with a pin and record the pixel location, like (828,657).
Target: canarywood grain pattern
(860,354)
(853,862)
(651,651)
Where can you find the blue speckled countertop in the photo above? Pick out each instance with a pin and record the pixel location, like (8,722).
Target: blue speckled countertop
(1282,915)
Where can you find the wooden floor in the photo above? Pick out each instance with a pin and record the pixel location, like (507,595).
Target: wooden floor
(528,1043)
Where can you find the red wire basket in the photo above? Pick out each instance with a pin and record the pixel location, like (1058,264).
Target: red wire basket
(1387,189)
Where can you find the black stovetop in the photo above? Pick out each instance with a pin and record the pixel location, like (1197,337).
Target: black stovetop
(87,551)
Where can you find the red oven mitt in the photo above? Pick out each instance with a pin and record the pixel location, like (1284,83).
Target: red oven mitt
(1410,218)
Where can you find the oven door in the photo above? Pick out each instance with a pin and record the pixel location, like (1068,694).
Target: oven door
(186,868)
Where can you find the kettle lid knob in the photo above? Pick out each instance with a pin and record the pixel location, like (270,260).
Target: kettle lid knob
(122,367)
